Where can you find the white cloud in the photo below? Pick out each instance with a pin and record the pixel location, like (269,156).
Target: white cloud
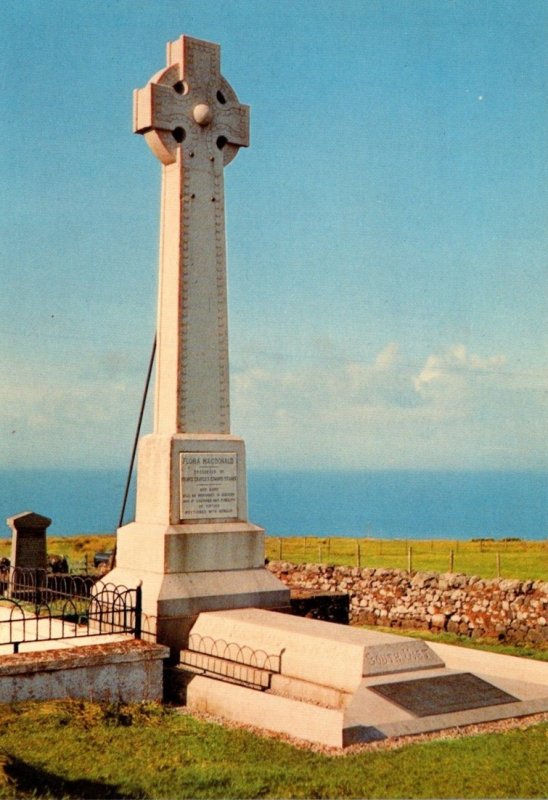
(79,414)
(387,357)
(454,368)
(456,410)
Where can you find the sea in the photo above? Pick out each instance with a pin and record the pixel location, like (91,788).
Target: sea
(383,504)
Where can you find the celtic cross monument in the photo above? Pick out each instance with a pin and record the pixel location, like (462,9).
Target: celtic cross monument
(191,544)
(192,547)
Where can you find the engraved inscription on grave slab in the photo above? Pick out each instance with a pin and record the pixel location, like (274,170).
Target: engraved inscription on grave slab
(209,485)
(443,694)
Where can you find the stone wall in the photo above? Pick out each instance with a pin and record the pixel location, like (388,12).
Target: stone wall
(124,671)
(509,610)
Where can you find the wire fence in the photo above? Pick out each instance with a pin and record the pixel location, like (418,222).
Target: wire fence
(486,558)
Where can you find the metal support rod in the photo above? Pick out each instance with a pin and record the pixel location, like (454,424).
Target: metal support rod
(137,433)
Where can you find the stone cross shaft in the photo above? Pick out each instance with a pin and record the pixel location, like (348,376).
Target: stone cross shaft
(194,124)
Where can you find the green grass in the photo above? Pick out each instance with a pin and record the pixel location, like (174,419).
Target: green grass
(539,653)
(523,559)
(74,749)
(77,549)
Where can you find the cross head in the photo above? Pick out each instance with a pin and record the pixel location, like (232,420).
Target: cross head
(189,109)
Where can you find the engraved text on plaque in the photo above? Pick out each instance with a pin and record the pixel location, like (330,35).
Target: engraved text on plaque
(209,486)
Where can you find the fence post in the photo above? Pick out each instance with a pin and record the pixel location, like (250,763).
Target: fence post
(279,548)
(451,561)
(409,559)
(40,577)
(498,565)
(304,557)
(328,546)
(358,553)
(138,612)
(319,554)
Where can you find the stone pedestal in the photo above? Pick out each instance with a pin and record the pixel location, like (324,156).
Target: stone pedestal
(191,545)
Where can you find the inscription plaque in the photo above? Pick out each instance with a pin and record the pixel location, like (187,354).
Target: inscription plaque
(443,694)
(31,550)
(209,485)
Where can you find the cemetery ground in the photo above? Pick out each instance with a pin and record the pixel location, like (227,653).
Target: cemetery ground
(77,749)
(80,749)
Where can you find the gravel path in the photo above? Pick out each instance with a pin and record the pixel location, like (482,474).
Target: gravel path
(501,726)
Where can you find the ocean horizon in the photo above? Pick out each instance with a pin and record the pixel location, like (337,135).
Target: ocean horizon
(399,504)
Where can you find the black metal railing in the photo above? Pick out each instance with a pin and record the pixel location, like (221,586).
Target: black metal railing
(232,651)
(37,606)
(230,661)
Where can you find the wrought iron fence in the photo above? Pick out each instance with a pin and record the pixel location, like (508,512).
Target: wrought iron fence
(230,661)
(232,651)
(38,606)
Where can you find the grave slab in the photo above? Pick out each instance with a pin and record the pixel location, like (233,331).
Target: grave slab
(339,686)
(315,651)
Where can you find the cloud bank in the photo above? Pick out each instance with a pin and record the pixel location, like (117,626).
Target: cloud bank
(454,410)
(457,410)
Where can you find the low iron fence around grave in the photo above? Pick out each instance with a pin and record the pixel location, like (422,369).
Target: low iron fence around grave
(38,606)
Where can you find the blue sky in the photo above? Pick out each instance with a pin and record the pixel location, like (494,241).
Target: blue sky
(386,229)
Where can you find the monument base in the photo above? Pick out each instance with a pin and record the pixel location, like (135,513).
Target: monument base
(334,685)
(186,569)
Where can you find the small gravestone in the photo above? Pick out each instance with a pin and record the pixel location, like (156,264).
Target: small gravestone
(28,542)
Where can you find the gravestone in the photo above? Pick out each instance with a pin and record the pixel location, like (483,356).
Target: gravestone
(28,540)
(192,545)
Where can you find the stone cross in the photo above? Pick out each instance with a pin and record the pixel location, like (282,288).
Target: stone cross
(193,122)
(191,546)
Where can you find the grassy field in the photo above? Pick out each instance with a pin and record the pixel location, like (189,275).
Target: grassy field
(538,652)
(74,749)
(487,558)
(79,550)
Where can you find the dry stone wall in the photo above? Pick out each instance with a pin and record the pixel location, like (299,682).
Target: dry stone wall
(509,610)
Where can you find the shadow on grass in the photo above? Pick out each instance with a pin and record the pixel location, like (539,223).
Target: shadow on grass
(31,781)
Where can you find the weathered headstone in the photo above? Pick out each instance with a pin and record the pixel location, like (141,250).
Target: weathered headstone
(191,544)
(28,540)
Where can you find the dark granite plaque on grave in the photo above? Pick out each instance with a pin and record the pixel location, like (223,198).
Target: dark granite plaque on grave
(31,550)
(443,694)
